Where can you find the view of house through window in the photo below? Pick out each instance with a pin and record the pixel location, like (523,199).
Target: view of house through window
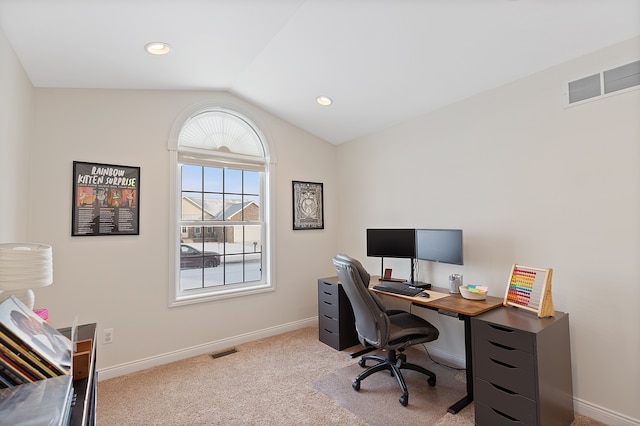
(220,232)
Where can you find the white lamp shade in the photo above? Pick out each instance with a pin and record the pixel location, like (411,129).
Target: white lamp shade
(25,266)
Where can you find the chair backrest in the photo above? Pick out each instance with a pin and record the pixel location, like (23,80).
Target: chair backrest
(372,323)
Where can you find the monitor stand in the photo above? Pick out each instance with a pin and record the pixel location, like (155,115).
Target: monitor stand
(414,283)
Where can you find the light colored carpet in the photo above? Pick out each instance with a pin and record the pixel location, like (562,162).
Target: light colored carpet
(267,382)
(289,379)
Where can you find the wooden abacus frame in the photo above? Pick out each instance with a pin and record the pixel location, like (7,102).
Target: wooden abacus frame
(522,282)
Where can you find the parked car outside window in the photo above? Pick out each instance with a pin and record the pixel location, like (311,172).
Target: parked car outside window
(194,258)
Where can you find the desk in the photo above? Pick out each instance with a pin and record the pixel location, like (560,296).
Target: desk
(465,309)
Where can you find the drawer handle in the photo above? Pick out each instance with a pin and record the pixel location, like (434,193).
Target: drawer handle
(506,330)
(513,419)
(328,303)
(328,331)
(508,348)
(505,390)
(326,292)
(504,364)
(327,316)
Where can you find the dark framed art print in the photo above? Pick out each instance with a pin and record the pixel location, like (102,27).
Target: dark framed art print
(308,209)
(106,199)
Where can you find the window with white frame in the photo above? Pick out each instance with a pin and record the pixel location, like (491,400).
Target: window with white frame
(220,174)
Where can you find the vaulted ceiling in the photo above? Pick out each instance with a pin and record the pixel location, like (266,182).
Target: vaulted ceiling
(381,61)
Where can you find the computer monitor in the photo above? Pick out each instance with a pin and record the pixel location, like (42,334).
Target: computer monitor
(391,243)
(439,245)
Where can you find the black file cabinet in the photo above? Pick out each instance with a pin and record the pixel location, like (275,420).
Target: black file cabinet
(336,323)
(522,368)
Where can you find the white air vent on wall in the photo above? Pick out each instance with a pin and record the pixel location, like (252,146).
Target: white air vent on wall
(624,78)
(584,88)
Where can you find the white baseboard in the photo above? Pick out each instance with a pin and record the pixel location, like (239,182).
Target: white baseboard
(602,414)
(211,347)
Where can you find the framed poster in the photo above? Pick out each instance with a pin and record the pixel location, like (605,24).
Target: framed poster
(308,210)
(106,199)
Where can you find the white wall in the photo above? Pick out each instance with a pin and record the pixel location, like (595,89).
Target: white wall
(121,282)
(529,182)
(16,120)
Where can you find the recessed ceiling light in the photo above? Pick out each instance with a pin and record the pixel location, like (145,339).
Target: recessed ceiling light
(157,48)
(324,100)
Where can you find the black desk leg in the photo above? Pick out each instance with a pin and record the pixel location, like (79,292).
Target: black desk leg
(468,398)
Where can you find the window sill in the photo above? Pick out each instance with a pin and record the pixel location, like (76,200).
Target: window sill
(227,293)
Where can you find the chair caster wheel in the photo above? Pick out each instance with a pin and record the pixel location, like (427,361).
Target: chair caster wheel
(404,400)
(362,363)
(356,385)
(431,381)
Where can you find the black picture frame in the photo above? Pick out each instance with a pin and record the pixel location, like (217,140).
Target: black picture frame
(106,200)
(308,205)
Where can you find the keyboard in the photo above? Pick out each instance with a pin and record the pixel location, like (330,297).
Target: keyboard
(403,289)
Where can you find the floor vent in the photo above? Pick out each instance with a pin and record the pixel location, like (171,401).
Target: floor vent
(615,80)
(224,353)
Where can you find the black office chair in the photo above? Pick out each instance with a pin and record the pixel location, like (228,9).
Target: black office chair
(387,330)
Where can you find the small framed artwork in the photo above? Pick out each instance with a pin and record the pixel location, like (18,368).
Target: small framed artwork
(308,209)
(106,199)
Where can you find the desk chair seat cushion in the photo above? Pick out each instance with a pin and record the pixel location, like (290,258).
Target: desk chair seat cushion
(407,330)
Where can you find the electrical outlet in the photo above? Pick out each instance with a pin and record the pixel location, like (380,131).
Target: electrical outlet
(107,336)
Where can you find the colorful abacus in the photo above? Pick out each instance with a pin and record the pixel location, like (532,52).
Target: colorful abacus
(530,288)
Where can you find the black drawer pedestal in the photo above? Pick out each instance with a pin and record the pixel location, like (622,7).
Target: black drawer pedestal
(336,323)
(522,369)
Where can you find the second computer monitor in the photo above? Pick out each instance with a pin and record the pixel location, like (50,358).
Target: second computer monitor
(439,245)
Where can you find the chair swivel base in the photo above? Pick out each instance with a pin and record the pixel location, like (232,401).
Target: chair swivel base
(394,364)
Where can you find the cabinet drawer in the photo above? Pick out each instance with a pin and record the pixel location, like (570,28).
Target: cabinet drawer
(505,354)
(510,337)
(329,337)
(512,406)
(487,416)
(328,289)
(329,308)
(329,323)
(517,375)
(328,298)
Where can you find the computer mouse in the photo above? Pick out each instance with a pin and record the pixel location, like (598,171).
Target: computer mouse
(424,294)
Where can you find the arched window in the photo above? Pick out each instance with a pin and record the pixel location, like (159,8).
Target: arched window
(220,184)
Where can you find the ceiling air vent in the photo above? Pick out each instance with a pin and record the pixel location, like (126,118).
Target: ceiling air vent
(625,77)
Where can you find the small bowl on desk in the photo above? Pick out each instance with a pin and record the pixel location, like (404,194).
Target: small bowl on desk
(473,293)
